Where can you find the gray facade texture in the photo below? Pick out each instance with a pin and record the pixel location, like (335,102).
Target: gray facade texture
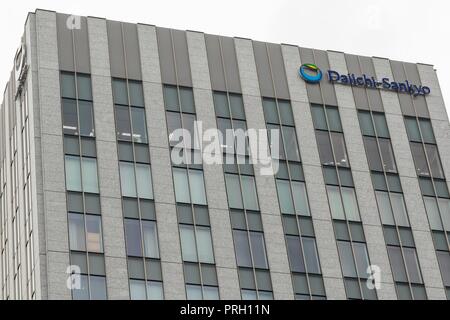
(92,207)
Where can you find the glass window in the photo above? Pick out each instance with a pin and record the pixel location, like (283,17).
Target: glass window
(412,265)
(444,207)
(73,173)
(270,111)
(180,180)
(94,233)
(324,145)
(242,248)
(398,267)
(384,206)
(433,213)
(89,171)
(334,120)
(350,204)
(318,115)
(150,239)
(204,244)
(290,143)
(285,109)
(274,132)
(171,98)
(365,121)
(83,292)
(237,106)
(334,197)
(193,292)
(137,290)
(70,118)
(419,159)
(68,85)
(362,258)
(444,264)
(154,290)
(210,293)
(340,151)
(190,125)
(381,125)
(136,93)
(127,179)
(346,256)
(285,197)
(295,254)
(197,186)
(97,287)
(84,86)
(187,100)
(144,181)
(76,232)
(120,91)
(123,125)
(300,198)
(373,156)
(388,155)
(311,257)
(188,247)
(427,131)
(173,123)
(133,237)
(249,193)
(435,162)
(233,191)
(399,209)
(412,129)
(139,125)
(221,104)
(258,250)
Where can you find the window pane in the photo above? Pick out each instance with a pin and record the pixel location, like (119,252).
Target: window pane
(300,198)
(334,120)
(427,131)
(412,265)
(194,292)
(144,181)
(258,250)
(399,209)
(73,173)
(311,257)
(221,104)
(270,111)
(340,151)
(154,290)
(127,179)
(187,100)
(173,123)
(318,115)
(290,143)
(188,247)
(198,195)
(68,85)
(346,256)
(204,244)
(237,106)
(70,119)
(412,129)
(242,248)
(94,233)
(384,206)
(133,237)
(123,125)
(324,145)
(139,126)
(76,232)
(334,197)
(137,290)
(398,267)
(249,193)
(274,132)
(365,121)
(84,87)
(249,295)
(373,156)
(350,204)
(388,155)
(150,239)
(227,142)
(89,171)
(419,159)
(136,93)
(180,181)
(171,98)
(444,264)
(381,125)
(285,197)
(98,288)
(190,125)
(83,292)
(435,162)
(210,293)
(233,191)
(120,91)
(295,254)
(287,118)
(362,259)
(444,207)
(433,213)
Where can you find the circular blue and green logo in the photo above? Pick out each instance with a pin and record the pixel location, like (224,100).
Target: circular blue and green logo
(310,73)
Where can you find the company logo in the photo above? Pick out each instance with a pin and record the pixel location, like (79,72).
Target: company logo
(310,73)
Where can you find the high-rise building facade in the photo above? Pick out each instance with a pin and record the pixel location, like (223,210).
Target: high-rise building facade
(93,205)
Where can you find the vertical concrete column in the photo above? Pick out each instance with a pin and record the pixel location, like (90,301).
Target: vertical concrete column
(411,190)
(267,193)
(56,229)
(365,193)
(107,161)
(166,214)
(213,173)
(315,185)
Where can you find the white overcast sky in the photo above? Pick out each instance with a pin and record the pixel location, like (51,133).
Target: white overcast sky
(413,31)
